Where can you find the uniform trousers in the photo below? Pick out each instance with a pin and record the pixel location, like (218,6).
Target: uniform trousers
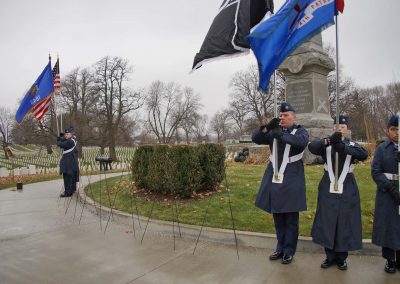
(391,254)
(332,255)
(70,183)
(287,232)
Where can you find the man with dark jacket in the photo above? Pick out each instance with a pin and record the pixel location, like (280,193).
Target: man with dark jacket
(283,188)
(337,223)
(384,169)
(69,166)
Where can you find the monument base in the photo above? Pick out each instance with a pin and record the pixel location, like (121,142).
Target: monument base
(314,134)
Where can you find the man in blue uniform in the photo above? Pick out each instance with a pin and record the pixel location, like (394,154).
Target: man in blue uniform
(283,188)
(337,223)
(69,166)
(386,230)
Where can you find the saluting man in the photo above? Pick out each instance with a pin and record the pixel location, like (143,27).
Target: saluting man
(386,230)
(337,223)
(69,166)
(283,188)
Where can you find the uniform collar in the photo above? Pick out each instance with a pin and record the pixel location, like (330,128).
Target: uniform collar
(388,142)
(290,129)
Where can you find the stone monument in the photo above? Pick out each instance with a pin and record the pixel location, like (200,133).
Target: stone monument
(306,71)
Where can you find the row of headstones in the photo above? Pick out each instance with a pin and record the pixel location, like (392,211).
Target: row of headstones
(32,170)
(25,163)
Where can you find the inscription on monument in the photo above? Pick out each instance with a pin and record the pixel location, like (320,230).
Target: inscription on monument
(300,96)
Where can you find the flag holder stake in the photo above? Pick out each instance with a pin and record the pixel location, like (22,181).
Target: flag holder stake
(337,101)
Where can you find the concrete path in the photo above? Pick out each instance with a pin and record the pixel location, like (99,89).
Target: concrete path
(42,242)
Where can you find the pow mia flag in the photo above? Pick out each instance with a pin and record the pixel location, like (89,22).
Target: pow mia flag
(226,36)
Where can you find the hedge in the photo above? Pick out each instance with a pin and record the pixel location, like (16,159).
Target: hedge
(178,169)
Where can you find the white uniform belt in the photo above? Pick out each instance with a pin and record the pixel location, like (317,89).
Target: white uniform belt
(292,159)
(351,169)
(391,176)
(70,150)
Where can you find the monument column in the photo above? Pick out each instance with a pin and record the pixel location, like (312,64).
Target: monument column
(306,71)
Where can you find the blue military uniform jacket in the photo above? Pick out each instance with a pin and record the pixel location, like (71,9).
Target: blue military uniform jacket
(337,223)
(386,229)
(290,195)
(69,161)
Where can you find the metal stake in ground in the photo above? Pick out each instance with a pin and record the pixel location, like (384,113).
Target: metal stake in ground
(148,219)
(115,198)
(202,223)
(132,193)
(230,209)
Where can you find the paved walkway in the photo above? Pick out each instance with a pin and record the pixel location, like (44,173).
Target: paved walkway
(41,241)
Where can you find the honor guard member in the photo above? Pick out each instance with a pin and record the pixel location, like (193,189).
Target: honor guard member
(386,229)
(69,166)
(283,188)
(337,223)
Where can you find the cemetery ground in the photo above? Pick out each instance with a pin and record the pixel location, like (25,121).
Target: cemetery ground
(243,181)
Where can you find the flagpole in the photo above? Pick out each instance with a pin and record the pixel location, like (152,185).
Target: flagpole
(275,97)
(398,151)
(55,104)
(275,145)
(337,99)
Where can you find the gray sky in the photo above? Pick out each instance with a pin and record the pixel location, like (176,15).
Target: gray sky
(161,37)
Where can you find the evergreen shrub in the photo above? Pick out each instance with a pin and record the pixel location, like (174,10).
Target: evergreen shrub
(178,169)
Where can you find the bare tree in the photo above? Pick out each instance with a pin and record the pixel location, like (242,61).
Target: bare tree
(189,119)
(79,101)
(200,130)
(238,114)
(167,106)
(220,124)
(346,84)
(115,99)
(6,124)
(250,98)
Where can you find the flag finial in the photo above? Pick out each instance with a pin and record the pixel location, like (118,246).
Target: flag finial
(49,57)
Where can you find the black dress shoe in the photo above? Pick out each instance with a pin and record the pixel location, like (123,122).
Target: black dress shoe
(275,255)
(342,265)
(327,263)
(286,259)
(390,266)
(65,195)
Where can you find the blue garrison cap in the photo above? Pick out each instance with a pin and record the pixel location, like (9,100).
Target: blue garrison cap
(343,119)
(70,129)
(286,107)
(394,120)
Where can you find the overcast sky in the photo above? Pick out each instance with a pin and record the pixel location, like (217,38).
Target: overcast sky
(161,37)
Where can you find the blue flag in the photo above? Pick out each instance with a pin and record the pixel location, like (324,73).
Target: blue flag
(42,88)
(296,21)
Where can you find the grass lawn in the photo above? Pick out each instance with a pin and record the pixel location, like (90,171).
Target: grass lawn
(243,183)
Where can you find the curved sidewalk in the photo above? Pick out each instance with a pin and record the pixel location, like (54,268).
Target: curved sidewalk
(41,241)
(215,235)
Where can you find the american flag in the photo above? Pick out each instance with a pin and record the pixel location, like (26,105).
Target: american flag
(56,75)
(43,107)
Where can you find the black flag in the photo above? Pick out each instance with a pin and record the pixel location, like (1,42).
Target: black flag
(226,36)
